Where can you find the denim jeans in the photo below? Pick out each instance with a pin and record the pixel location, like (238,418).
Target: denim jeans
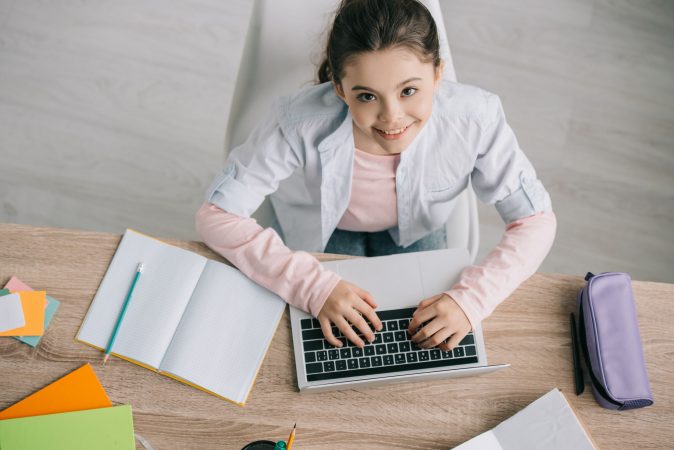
(362,243)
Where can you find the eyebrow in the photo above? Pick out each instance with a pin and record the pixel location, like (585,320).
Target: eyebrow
(365,88)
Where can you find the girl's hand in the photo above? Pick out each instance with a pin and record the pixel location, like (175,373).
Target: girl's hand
(349,305)
(443,318)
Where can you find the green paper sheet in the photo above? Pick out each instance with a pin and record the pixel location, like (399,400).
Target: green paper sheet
(101,429)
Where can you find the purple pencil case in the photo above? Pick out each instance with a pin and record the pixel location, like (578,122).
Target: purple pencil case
(609,336)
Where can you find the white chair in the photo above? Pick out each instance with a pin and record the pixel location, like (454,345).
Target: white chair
(284,45)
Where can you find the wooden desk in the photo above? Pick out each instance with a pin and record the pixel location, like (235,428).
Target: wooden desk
(530,331)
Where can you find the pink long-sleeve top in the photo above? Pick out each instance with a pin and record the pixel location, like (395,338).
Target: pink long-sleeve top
(301,280)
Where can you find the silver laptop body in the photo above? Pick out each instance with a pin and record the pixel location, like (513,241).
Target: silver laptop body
(395,282)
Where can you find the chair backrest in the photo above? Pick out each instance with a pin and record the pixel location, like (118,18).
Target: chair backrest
(283,48)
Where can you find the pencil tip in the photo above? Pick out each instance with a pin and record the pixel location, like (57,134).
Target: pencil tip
(105,359)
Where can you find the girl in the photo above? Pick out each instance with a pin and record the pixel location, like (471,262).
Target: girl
(368,162)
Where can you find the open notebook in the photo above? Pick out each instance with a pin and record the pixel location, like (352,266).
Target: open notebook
(194,319)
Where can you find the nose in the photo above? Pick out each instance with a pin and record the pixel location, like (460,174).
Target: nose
(391,112)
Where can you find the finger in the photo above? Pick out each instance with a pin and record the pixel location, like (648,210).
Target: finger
(419,317)
(327,332)
(347,331)
(359,322)
(365,295)
(371,315)
(427,331)
(454,340)
(437,339)
(429,301)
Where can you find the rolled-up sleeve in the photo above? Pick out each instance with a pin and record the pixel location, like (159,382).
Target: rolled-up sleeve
(503,175)
(254,169)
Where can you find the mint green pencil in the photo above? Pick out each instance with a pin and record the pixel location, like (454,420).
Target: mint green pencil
(121,314)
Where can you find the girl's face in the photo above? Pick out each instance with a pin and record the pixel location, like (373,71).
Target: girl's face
(390,96)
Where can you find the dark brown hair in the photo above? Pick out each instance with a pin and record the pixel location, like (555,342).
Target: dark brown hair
(362,26)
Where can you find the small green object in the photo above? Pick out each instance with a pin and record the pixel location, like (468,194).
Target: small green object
(280,445)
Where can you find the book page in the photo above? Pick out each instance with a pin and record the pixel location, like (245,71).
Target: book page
(162,291)
(224,333)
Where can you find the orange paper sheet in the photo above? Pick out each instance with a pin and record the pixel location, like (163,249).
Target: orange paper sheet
(33,304)
(78,390)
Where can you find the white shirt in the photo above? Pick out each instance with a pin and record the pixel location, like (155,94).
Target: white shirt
(301,154)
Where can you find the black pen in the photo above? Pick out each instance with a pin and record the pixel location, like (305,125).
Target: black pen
(575,350)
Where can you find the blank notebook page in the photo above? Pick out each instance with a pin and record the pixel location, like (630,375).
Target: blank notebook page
(224,333)
(158,301)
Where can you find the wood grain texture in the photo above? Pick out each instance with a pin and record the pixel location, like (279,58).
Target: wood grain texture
(528,331)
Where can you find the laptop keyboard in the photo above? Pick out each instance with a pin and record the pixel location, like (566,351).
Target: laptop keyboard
(392,350)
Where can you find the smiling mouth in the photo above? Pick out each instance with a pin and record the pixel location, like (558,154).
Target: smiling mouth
(393,132)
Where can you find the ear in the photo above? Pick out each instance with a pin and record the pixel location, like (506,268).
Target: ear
(439,71)
(340,91)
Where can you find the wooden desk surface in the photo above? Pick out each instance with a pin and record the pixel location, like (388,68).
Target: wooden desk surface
(530,331)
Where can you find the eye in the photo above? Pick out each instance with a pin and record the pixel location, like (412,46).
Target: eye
(409,89)
(361,98)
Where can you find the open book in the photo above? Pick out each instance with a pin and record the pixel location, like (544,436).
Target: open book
(194,319)
(549,423)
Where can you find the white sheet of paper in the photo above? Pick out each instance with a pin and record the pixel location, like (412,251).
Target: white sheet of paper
(484,441)
(11,312)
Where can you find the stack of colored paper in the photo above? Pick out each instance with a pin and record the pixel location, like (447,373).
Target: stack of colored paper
(25,313)
(72,413)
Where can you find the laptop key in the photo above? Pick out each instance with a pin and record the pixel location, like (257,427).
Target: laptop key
(435,354)
(400,358)
(388,360)
(357,352)
(392,325)
(364,362)
(458,352)
(411,357)
(446,355)
(369,350)
(468,340)
(377,338)
(311,334)
(340,364)
(329,366)
(315,368)
(470,350)
(322,355)
(380,349)
(424,356)
(392,348)
(376,361)
(401,336)
(352,363)
(404,346)
(333,354)
(315,323)
(388,337)
(310,357)
(305,324)
(403,324)
(345,353)
(313,345)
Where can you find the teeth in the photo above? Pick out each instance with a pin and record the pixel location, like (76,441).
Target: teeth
(398,131)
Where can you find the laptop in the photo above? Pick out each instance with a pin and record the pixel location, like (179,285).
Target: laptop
(397,283)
